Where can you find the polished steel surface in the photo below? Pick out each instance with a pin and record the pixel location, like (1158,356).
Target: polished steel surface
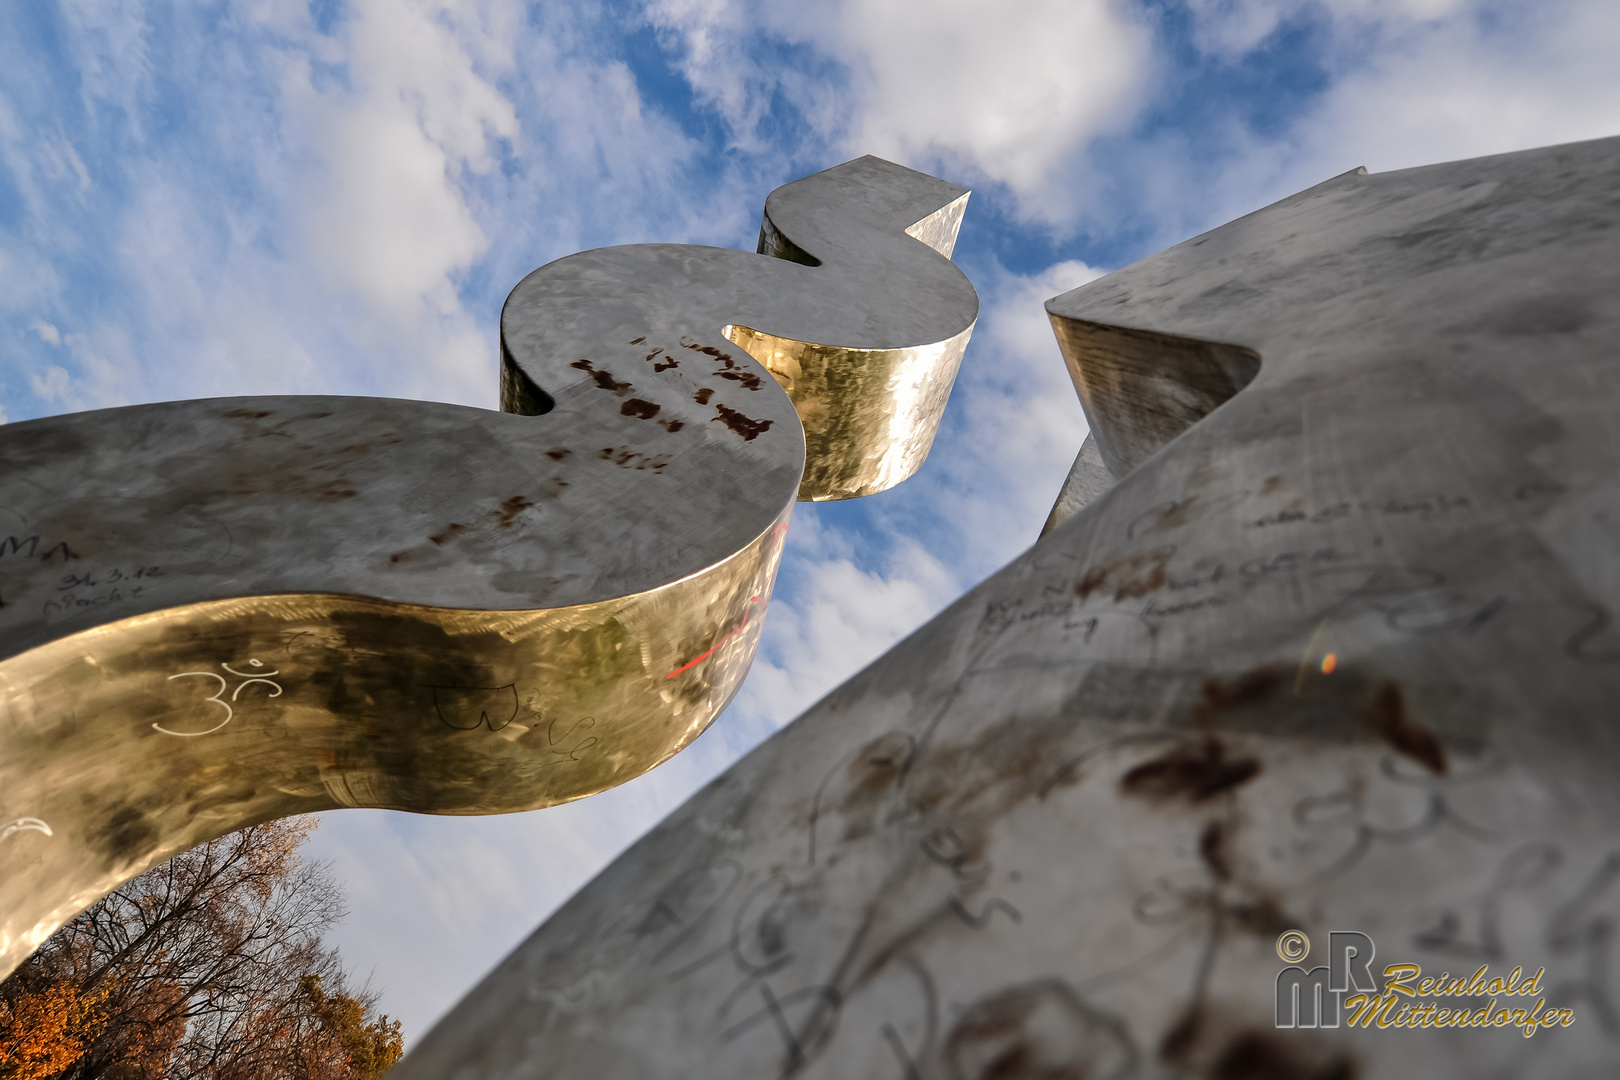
(1335,652)
(214,613)
(1087,481)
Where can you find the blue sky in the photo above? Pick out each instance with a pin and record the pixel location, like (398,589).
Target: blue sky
(286,197)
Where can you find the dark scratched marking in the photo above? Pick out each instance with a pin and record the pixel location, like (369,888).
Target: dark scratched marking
(12,547)
(1579,645)
(496,706)
(1388,716)
(511,508)
(1195,773)
(441,537)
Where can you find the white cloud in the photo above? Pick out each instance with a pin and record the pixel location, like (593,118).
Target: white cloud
(62,163)
(1467,86)
(1408,83)
(46,331)
(386,220)
(832,618)
(55,385)
(1014,89)
(99,382)
(1009,92)
(1229,28)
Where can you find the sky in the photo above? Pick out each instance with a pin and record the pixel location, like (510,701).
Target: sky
(287,197)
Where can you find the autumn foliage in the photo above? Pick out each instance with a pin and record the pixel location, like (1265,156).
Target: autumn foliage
(210,966)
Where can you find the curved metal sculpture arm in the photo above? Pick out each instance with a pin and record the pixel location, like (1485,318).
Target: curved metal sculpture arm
(214,613)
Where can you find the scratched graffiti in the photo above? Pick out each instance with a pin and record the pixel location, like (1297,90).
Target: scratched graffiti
(257,675)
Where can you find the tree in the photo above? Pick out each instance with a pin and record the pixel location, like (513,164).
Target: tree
(47,1029)
(210,966)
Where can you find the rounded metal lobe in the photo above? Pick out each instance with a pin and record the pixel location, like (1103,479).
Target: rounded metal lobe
(859,315)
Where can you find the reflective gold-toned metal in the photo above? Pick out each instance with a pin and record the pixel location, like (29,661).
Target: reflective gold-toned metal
(870,415)
(940,229)
(268,706)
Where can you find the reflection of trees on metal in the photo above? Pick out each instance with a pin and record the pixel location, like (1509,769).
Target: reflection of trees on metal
(464,611)
(1330,647)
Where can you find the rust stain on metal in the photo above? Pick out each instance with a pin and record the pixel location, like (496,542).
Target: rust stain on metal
(447,533)
(1212,849)
(1195,772)
(1175,515)
(1220,695)
(1388,716)
(742,425)
(749,380)
(1211,1048)
(633,459)
(1181,1036)
(640,408)
(511,508)
(1041,1030)
(877,767)
(1258,1055)
(1132,576)
(603,379)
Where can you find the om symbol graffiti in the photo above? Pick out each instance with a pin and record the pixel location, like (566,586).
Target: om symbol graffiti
(248,679)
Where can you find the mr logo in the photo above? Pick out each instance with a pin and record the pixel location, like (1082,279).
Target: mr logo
(1315,998)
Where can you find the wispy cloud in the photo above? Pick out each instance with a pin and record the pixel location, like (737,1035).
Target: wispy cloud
(1002,93)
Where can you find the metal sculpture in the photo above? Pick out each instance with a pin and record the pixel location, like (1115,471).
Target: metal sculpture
(1326,675)
(214,613)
